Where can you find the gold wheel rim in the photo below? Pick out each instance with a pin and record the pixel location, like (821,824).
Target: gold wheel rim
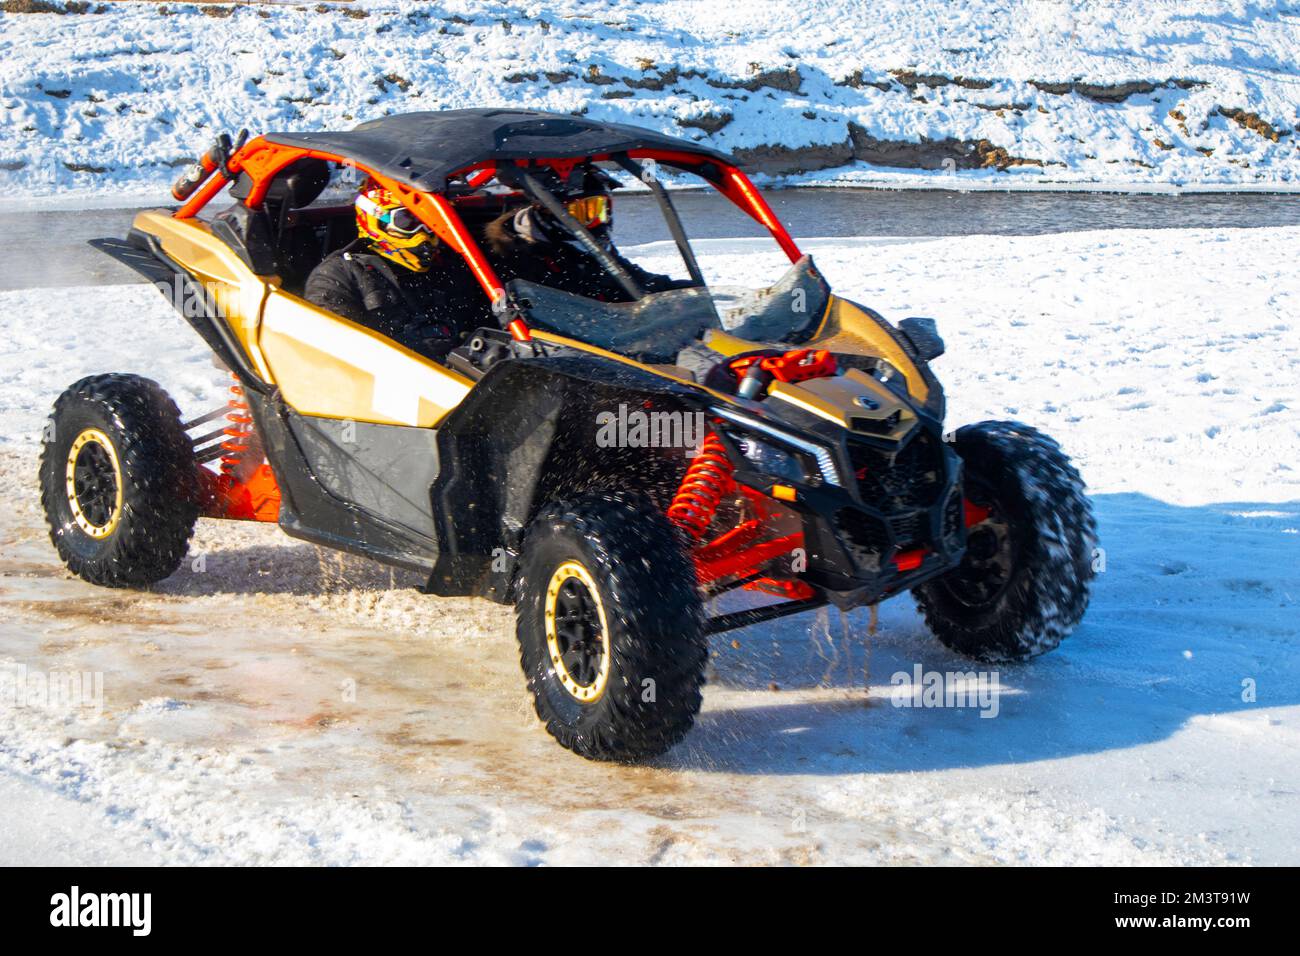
(586,693)
(93,436)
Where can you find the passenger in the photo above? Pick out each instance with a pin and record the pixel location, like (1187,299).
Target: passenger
(529,243)
(397,279)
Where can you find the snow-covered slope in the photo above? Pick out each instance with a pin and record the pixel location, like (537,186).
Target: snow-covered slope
(1018,93)
(1167,362)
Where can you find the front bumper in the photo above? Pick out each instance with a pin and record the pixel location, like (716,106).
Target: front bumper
(897,521)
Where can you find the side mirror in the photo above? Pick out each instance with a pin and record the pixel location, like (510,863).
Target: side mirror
(924,336)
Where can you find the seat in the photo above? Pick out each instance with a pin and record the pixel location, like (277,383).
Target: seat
(269,240)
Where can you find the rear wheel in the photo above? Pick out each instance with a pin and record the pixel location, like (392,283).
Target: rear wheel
(1023,585)
(117,481)
(610,627)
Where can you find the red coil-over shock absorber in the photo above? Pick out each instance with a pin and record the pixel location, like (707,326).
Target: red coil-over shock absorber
(237,432)
(245,487)
(707,480)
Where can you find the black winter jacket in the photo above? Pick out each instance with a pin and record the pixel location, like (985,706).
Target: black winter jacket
(428,312)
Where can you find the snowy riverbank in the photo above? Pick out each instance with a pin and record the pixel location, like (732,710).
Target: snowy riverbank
(1201,94)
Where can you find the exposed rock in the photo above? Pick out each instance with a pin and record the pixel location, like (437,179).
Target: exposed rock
(84,168)
(784,160)
(401,82)
(45,6)
(999,158)
(596,78)
(32,6)
(911,79)
(521,78)
(932,154)
(660,81)
(1252,121)
(785,79)
(999,108)
(1114,92)
(856,81)
(708,122)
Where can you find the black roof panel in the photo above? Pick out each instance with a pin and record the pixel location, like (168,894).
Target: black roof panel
(424,148)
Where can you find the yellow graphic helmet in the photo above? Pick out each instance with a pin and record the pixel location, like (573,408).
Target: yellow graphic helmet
(392,230)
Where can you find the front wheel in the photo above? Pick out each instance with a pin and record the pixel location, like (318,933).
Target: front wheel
(610,627)
(117,481)
(1023,585)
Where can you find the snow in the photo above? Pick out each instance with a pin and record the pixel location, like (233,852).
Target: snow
(273,702)
(116,100)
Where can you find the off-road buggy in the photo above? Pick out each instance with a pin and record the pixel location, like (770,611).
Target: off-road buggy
(609,468)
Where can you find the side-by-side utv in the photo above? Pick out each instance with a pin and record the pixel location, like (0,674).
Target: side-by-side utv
(610,468)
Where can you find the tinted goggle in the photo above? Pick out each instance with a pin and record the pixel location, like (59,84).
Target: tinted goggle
(402,221)
(590,210)
(398,220)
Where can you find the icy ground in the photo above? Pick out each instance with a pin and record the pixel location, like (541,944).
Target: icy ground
(1167,362)
(1195,94)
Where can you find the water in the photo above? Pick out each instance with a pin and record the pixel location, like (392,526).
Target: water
(809,213)
(53,250)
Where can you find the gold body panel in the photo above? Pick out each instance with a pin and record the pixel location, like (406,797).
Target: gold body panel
(847,328)
(323,364)
(844,328)
(332,368)
(238,290)
(848,400)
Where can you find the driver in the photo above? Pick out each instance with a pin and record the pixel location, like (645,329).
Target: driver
(527,242)
(394,277)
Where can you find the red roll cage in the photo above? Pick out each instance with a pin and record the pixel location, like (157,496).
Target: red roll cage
(737,553)
(262,160)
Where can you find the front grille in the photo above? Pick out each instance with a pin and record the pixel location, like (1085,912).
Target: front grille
(907,529)
(867,537)
(910,478)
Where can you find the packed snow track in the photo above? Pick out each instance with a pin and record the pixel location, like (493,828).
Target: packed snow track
(274,703)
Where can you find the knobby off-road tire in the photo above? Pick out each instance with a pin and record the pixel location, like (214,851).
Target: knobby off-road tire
(611,627)
(1023,585)
(118,481)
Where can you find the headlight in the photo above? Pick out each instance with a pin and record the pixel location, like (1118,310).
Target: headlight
(779,449)
(771,460)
